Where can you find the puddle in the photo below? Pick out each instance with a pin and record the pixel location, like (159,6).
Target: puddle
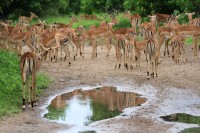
(191,130)
(182,117)
(82,107)
(87,132)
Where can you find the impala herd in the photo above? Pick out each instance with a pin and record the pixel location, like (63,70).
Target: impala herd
(43,40)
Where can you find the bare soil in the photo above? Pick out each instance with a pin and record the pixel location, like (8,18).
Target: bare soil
(182,77)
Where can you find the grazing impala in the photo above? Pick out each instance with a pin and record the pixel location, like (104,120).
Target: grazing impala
(178,47)
(29,64)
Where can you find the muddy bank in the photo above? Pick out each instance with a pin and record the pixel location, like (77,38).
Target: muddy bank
(174,83)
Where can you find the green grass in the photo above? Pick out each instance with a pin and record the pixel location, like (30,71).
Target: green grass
(189,41)
(123,22)
(11,84)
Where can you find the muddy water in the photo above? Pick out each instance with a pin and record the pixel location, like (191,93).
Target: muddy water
(82,107)
(191,130)
(184,118)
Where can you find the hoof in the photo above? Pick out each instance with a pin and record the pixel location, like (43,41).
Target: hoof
(119,65)
(35,104)
(23,108)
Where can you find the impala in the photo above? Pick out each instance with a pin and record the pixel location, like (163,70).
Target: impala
(188,31)
(134,19)
(23,19)
(193,21)
(93,36)
(151,57)
(162,18)
(178,47)
(29,64)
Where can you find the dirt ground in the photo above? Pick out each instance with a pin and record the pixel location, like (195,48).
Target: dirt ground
(174,81)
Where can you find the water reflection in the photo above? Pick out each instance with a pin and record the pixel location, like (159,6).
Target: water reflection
(182,117)
(82,107)
(191,130)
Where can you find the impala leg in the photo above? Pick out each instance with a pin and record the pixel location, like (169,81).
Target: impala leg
(109,46)
(117,56)
(82,49)
(167,46)
(131,60)
(24,90)
(195,48)
(148,74)
(155,67)
(29,92)
(124,54)
(139,58)
(152,68)
(72,44)
(120,59)
(93,48)
(96,49)
(61,52)
(34,89)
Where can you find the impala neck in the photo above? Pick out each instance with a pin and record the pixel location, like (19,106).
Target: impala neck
(190,17)
(71,23)
(31,17)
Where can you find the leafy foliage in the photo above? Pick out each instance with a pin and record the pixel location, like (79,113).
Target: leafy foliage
(15,8)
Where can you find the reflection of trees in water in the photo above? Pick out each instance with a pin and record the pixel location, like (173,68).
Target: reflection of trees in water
(101,111)
(55,113)
(191,130)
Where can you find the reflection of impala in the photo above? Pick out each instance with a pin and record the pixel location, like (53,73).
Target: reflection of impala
(23,19)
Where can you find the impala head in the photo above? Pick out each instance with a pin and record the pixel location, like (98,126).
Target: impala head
(190,14)
(33,15)
(80,28)
(126,14)
(153,19)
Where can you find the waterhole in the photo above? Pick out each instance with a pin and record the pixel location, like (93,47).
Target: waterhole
(82,107)
(184,118)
